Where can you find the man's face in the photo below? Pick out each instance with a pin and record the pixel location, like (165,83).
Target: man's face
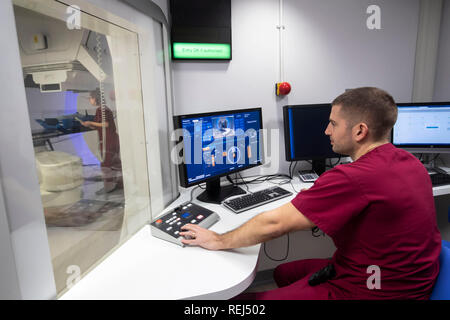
(339,132)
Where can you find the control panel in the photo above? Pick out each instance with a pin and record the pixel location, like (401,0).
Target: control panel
(168,226)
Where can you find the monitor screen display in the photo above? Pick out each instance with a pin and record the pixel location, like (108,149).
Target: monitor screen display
(422,125)
(304,132)
(218,144)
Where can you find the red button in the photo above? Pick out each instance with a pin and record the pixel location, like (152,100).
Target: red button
(158,221)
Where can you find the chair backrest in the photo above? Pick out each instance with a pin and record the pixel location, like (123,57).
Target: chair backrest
(441,290)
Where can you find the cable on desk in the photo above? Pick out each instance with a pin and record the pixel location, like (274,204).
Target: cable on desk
(443,162)
(293,187)
(192,192)
(337,162)
(245,183)
(261,179)
(291,174)
(230,180)
(427,161)
(291,171)
(435,158)
(278,260)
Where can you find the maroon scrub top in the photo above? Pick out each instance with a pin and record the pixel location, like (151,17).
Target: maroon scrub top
(379,211)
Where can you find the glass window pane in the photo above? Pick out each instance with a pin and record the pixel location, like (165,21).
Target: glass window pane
(85,107)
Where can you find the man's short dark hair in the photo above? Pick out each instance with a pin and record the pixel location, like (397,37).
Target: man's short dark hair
(370,105)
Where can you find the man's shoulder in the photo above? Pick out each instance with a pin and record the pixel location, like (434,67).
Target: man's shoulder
(339,174)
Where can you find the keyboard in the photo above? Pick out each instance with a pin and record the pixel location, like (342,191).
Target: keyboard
(438,179)
(168,226)
(256,199)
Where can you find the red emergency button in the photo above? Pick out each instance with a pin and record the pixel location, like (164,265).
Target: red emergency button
(158,221)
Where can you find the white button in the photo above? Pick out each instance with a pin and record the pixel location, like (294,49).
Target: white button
(169,228)
(179,223)
(174,213)
(185,207)
(177,232)
(194,221)
(190,204)
(200,217)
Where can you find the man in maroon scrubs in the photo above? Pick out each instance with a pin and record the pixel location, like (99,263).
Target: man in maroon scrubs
(379,211)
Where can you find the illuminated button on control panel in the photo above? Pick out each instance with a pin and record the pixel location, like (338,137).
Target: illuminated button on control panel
(185,215)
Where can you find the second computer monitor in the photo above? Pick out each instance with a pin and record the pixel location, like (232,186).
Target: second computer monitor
(304,134)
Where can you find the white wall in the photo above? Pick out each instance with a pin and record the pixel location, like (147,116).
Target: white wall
(328,48)
(164,5)
(442,82)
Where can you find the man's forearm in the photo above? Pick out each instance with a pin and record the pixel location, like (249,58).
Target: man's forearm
(264,227)
(259,229)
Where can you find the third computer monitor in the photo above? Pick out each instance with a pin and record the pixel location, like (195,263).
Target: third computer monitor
(423,127)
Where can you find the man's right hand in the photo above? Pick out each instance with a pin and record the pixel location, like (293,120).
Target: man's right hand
(198,236)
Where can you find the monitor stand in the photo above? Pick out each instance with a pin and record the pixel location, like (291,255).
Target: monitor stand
(215,193)
(319,166)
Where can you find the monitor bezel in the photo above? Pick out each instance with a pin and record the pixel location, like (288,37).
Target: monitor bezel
(287,140)
(182,166)
(422,148)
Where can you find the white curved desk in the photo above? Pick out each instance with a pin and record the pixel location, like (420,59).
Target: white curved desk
(146,267)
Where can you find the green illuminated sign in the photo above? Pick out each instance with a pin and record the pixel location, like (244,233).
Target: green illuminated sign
(201,50)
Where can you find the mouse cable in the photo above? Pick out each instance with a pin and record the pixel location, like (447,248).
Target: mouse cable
(278,260)
(192,192)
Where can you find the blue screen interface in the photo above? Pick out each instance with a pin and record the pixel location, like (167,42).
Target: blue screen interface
(422,125)
(219,144)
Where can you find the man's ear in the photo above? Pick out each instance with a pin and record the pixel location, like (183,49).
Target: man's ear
(360,131)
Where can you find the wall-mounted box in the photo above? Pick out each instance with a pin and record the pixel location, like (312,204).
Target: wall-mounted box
(201,29)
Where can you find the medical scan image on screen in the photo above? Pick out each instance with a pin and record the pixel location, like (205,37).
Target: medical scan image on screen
(217,144)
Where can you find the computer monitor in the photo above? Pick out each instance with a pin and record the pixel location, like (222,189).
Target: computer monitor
(217,144)
(423,127)
(304,134)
